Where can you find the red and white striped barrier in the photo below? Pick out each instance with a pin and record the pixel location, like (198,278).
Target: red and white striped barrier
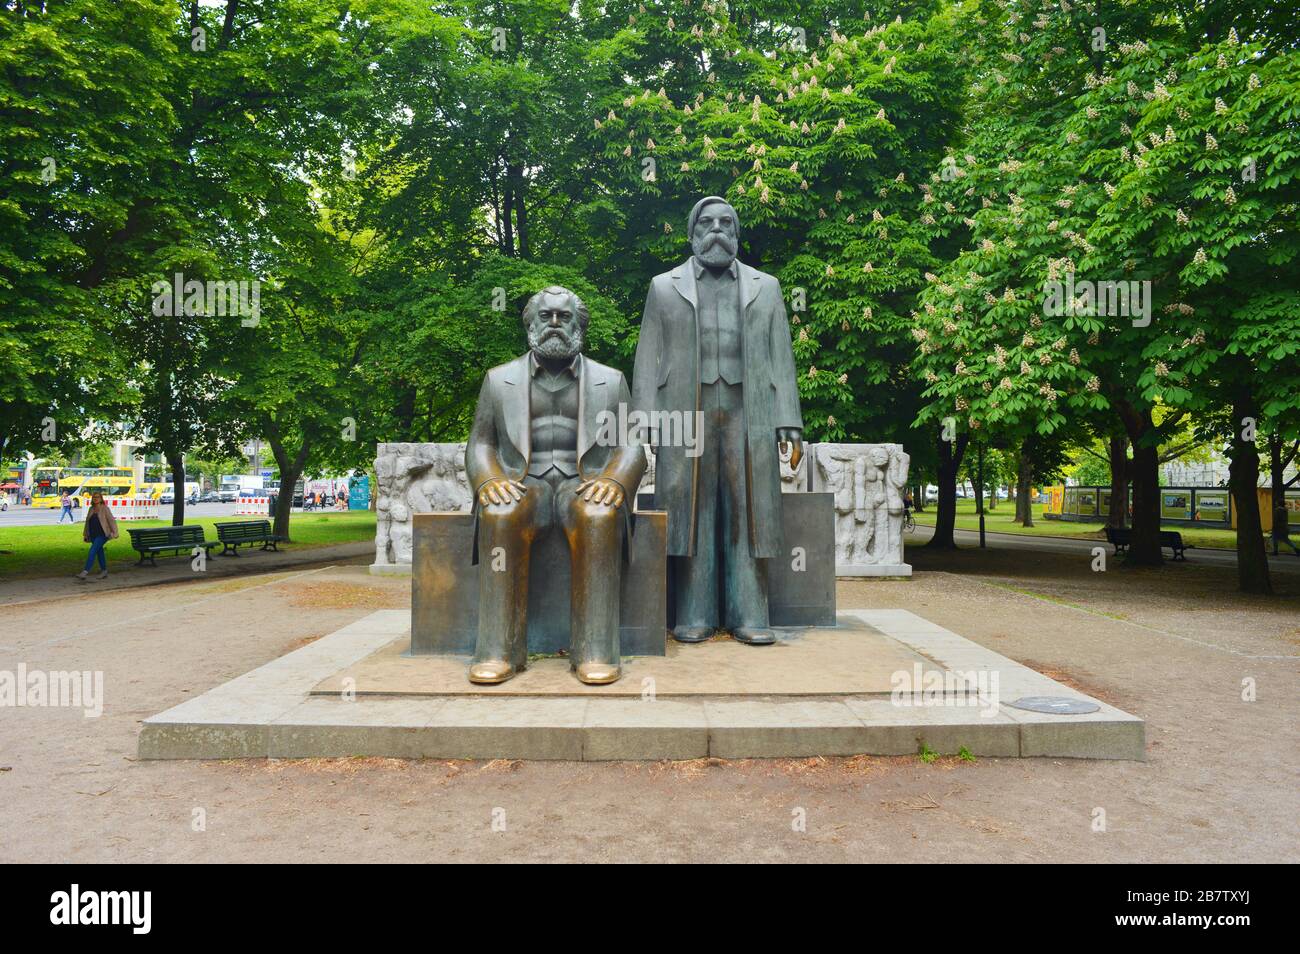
(133,508)
(252,505)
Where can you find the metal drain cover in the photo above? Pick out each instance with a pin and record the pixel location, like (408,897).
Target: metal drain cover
(1057,705)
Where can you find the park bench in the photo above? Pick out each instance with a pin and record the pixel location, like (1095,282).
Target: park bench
(1121,537)
(247,533)
(151,541)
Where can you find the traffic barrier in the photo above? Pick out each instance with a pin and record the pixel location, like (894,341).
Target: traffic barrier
(251,505)
(133,508)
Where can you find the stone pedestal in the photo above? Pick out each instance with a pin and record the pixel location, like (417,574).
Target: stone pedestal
(444,590)
(801,582)
(873,569)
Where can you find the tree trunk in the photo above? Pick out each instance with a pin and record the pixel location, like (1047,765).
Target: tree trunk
(517,187)
(1118,453)
(176,461)
(1025,483)
(1277,488)
(993,495)
(950,455)
(507,217)
(496,213)
(404,411)
(1243,479)
(918,498)
(290,470)
(1144,550)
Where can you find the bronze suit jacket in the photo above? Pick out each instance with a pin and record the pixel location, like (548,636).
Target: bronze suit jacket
(502,432)
(666,377)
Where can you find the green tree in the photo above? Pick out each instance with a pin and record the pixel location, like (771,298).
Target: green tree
(82,112)
(820,139)
(1208,191)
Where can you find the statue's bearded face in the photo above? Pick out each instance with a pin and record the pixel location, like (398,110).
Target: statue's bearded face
(716,237)
(555,331)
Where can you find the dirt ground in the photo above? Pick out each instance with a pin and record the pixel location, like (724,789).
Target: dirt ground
(1174,646)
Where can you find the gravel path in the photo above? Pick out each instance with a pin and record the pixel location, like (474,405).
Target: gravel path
(1174,645)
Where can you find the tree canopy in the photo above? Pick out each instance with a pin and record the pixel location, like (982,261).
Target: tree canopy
(1015,226)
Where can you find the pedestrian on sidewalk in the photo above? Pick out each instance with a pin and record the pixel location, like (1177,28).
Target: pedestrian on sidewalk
(66,503)
(100,527)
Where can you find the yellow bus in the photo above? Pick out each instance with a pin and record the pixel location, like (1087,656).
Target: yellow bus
(49,484)
(45,486)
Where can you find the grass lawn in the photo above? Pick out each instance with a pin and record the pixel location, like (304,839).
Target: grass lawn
(999,521)
(56,550)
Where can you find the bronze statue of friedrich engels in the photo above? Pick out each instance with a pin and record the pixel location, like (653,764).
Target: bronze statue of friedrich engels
(535,464)
(715,340)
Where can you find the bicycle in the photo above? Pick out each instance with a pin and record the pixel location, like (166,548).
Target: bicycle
(909,522)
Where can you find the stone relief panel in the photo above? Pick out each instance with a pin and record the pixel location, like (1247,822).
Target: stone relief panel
(868,482)
(415,478)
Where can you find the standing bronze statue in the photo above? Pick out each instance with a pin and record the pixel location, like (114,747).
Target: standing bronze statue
(715,346)
(536,466)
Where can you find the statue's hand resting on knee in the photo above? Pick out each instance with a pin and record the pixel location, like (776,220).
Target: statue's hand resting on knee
(601,490)
(501,490)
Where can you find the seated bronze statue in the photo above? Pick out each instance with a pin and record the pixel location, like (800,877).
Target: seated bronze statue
(536,466)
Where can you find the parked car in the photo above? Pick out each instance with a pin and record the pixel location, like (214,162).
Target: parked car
(209,496)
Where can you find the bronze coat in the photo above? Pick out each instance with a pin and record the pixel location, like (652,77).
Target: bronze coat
(501,437)
(666,377)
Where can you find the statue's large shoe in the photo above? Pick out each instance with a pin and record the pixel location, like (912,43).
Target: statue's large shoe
(692,634)
(598,674)
(490,672)
(755,636)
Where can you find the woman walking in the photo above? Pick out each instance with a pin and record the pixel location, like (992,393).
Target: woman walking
(100,527)
(66,503)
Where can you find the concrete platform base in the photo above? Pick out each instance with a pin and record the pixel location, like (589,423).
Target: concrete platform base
(390,569)
(850,659)
(873,569)
(943,692)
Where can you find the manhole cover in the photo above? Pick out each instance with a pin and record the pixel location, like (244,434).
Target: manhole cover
(1059,705)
